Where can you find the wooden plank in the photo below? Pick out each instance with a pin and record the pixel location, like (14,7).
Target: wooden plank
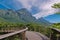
(35,36)
(11,34)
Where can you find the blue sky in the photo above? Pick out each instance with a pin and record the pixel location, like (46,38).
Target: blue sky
(53,18)
(38,8)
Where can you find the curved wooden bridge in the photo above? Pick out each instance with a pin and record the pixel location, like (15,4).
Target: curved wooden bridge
(35,36)
(27,35)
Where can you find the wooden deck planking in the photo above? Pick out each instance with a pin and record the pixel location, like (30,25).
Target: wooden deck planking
(35,36)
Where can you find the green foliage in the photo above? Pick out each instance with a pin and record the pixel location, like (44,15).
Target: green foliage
(39,28)
(11,25)
(56,5)
(58,13)
(10,19)
(56,25)
(15,37)
(31,27)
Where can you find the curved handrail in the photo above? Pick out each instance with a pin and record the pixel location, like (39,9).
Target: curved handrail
(55,29)
(13,33)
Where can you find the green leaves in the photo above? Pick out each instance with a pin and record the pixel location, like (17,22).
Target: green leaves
(56,5)
(56,25)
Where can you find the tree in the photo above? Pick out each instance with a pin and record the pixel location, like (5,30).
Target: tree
(56,5)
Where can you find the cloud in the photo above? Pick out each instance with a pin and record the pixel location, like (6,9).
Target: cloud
(25,3)
(46,9)
(44,6)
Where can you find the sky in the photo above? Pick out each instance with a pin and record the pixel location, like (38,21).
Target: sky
(53,18)
(38,8)
(44,6)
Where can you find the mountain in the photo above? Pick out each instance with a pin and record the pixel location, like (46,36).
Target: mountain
(21,16)
(9,15)
(43,21)
(25,15)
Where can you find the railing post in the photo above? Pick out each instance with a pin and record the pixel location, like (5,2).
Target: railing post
(58,35)
(23,35)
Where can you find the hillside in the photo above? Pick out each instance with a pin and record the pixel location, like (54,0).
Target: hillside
(21,16)
(25,15)
(44,22)
(9,15)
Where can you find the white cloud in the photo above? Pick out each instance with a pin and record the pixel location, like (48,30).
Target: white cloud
(47,9)
(25,3)
(29,3)
(44,5)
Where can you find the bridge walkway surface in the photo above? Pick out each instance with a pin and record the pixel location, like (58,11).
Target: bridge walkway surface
(30,35)
(35,36)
